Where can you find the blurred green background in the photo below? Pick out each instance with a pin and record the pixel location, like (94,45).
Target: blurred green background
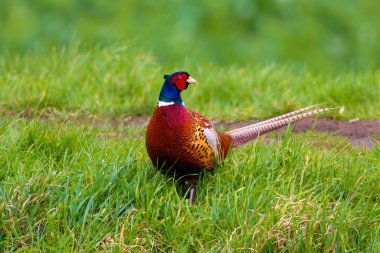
(322,35)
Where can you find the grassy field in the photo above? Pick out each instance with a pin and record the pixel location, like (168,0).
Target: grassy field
(327,35)
(119,81)
(72,185)
(71,180)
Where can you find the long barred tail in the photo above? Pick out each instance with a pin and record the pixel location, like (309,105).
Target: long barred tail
(245,134)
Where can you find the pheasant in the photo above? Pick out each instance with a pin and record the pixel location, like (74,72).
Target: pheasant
(182,143)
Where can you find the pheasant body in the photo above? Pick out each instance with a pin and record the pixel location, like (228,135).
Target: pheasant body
(183,143)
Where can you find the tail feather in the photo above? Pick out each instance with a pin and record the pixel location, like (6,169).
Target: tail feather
(243,135)
(284,116)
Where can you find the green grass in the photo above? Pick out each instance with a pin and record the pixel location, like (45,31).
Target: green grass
(69,187)
(327,35)
(116,82)
(72,181)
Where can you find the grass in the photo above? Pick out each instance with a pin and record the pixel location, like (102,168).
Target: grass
(116,82)
(66,187)
(72,181)
(325,35)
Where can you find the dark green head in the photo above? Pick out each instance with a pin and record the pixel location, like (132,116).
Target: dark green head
(173,85)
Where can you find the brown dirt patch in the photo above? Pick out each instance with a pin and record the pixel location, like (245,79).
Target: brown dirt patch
(359,133)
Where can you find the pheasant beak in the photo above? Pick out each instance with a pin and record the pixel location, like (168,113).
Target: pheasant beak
(191,80)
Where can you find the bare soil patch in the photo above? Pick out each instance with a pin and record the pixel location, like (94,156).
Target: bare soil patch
(359,133)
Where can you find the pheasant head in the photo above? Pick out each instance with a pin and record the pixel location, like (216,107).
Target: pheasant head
(174,84)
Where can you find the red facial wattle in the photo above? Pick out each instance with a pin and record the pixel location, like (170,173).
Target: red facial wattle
(179,81)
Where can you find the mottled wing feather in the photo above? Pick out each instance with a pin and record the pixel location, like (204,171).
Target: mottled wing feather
(220,143)
(200,120)
(200,150)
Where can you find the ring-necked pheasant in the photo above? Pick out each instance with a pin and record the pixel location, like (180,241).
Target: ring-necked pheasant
(183,143)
